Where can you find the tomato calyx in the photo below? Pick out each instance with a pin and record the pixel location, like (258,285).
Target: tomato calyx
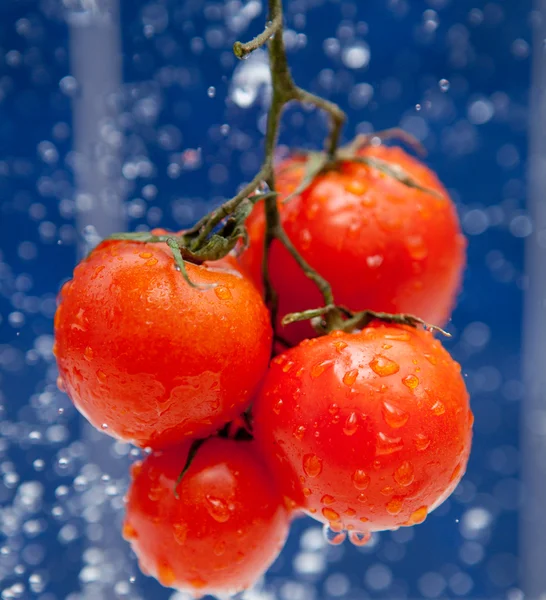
(209,240)
(339,318)
(320,162)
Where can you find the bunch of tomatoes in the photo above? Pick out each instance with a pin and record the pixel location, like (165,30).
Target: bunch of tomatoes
(363,430)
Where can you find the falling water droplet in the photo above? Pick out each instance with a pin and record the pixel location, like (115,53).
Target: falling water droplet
(334,538)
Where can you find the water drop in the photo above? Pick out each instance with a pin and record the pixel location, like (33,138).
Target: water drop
(361,480)
(318,369)
(312,465)
(387,445)
(211,92)
(411,381)
(419,515)
(394,417)
(422,442)
(223,292)
(299,432)
(383,366)
(217,509)
(334,538)
(180,531)
(438,408)
(350,377)
(404,475)
(444,85)
(351,424)
(394,506)
(166,575)
(358,538)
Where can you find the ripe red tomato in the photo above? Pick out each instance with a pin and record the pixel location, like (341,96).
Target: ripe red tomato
(151,359)
(366,431)
(382,245)
(224,529)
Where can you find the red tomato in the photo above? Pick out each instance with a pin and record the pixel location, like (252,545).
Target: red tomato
(224,529)
(150,359)
(382,245)
(366,431)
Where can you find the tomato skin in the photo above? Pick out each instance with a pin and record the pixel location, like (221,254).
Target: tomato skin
(366,431)
(151,358)
(222,532)
(382,245)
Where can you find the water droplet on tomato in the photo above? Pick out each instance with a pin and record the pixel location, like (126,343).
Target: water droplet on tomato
(222,292)
(411,381)
(101,376)
(312,465)
(330,514)
(387,445)
(88,353)
(383,366)
(416,247)
(318,369)
(405,474)
(470,418)
(333,409)
(197,583)
(277,406)
(217,509)
(419,515)
(180,531)
(388,490)
(327,499)
(350,512)
(166,575)
(306,492)
(361,480)
(60,384)
(155,493)
(351,424)
(394,506)
(456,473)
(145,255)
(129,532)
(358,538)
(438,408)
(350,377)
(299,432)
(340,345)
(219,548)
(394,417)
(431,359)
(151,262)
(334,538)
(422,442)
(364,519)
(287,366)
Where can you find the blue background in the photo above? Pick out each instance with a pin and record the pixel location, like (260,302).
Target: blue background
(173,52)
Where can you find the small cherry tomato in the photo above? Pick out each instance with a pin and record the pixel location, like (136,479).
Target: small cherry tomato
(151,360)
(383,245)
(366,431)
(223,528)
